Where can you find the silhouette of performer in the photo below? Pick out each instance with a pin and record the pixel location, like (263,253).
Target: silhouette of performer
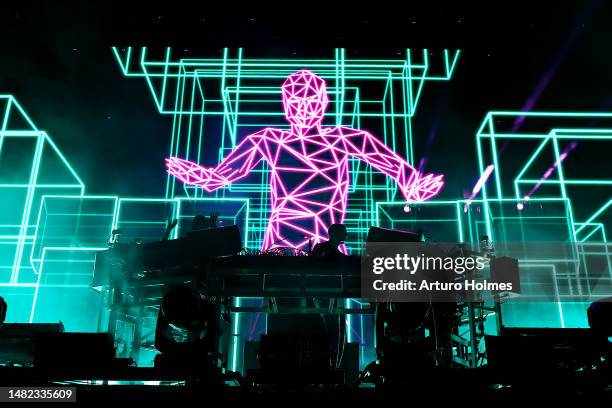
(330,248)
(309,173)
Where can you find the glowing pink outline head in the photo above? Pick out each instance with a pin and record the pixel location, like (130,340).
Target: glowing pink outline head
(304,99)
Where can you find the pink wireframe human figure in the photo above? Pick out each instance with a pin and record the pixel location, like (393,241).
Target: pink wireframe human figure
(309,172)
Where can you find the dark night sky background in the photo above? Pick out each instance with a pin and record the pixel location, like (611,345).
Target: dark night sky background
(56,60)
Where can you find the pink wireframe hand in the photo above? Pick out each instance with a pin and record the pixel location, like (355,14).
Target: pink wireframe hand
(193,174)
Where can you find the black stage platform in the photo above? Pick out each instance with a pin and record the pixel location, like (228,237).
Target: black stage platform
(430,387)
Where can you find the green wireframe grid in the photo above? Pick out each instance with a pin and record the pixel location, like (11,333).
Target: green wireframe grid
(214,102)
(50,228)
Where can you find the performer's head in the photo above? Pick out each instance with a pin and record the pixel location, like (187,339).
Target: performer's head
(304,99)
(337,234)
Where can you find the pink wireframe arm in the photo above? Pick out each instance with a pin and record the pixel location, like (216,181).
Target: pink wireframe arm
(413,185)
(235,166)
